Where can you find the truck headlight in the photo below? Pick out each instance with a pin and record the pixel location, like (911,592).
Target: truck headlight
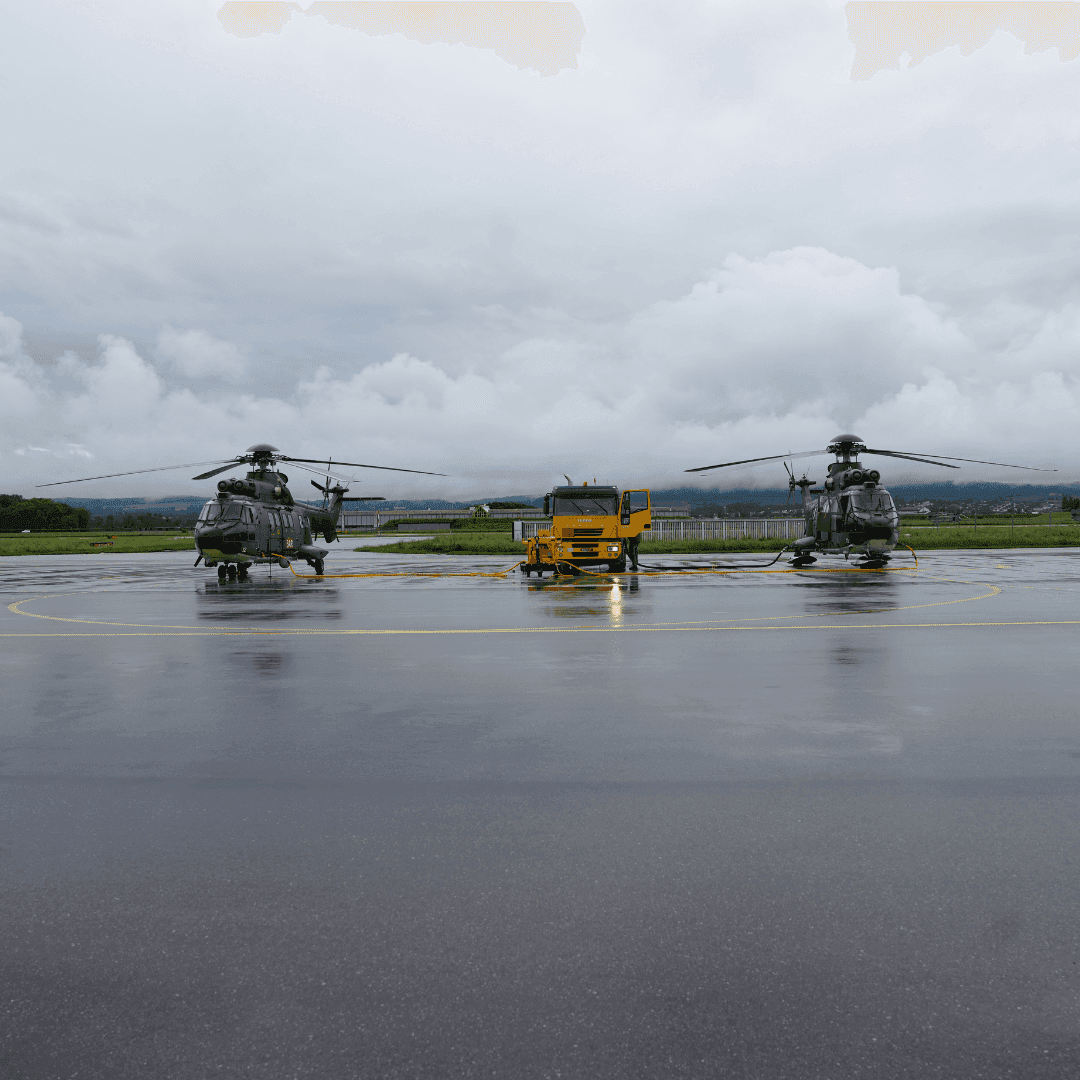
(613,549)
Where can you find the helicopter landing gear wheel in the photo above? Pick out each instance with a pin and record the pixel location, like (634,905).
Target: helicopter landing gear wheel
(221,572)
(318,567)
(803,560)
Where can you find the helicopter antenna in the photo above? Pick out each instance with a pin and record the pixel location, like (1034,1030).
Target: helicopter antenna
(568,480)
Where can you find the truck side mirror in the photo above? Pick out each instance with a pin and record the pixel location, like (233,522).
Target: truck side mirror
(547,506)
(625,511)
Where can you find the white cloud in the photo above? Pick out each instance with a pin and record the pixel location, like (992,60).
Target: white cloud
(198,355)
(705,242)
(763,356)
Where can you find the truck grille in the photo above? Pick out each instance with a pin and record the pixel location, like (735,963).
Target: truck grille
(588,532)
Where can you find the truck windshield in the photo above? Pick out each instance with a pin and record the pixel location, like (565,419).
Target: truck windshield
(584,505)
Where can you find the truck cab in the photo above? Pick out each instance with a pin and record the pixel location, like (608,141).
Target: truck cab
(590,526)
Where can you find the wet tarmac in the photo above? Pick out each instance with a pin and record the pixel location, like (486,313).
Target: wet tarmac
(781,825)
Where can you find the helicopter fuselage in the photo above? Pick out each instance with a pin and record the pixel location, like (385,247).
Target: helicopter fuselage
(852,513)
(256,520)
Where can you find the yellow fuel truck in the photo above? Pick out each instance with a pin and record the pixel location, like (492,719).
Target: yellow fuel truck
(590,526)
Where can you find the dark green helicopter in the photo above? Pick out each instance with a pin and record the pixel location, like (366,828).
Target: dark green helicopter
(257,520)
(853,513)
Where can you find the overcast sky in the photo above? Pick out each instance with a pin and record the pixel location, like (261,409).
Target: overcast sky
(705,242)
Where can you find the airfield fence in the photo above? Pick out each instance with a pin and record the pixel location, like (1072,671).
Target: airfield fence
(700,529)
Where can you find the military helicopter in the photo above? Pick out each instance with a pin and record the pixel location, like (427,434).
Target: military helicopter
(853,513)
(257,520)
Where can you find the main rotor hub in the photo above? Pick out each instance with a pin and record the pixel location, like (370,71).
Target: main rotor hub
(846,446)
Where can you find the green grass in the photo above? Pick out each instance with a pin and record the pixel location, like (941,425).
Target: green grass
(921,539)
(990,536)
(696,547)
(481,525)
(475,542)
(1061,517)
(83,543)
(462,543)
(500,544)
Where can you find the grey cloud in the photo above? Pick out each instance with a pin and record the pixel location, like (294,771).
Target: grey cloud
(705,240)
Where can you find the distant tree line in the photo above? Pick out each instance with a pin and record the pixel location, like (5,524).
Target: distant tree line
(45,515)
(144,521)
(1070,502)
(17,513)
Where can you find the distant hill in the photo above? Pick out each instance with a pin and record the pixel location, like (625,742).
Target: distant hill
(944,491)
(176,504)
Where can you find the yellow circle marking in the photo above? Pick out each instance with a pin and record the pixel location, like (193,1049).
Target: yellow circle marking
(547,630)
(178,630)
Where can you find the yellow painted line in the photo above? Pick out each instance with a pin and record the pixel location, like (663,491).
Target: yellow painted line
(994,591)
(16,609)
(551,630)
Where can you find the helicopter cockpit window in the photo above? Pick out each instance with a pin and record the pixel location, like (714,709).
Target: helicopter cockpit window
(584,505)
(232,511)
(210,512)
(871,501)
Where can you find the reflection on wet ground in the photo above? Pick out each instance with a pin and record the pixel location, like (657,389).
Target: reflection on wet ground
(865,591)
(261,661)
(748,826)
(268,601)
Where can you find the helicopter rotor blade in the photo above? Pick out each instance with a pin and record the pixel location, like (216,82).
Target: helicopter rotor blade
(756,460)
(908,457)
(136,472)
(973,461)
(321,474)
(214,472)
(359,465)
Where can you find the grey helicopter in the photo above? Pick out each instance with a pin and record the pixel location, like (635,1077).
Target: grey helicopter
(853,513)
(257,520)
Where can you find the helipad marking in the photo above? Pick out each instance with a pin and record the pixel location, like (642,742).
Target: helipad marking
(16,608)
(545,630)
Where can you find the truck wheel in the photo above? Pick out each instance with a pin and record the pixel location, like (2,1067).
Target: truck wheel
(617,567)
(221,572)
